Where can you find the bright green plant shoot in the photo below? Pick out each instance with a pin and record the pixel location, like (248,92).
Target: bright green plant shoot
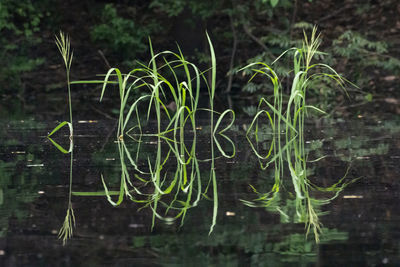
(64,46)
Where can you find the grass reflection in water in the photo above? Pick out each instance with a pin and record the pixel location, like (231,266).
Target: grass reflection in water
(170,194)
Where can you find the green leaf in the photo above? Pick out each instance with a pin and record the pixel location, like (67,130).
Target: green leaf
(60,126)
(59,147)
(274,2)
(368,97)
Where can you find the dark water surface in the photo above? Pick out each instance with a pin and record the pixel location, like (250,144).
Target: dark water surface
(360,227)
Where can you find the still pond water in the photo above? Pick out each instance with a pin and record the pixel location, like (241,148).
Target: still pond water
(360,224)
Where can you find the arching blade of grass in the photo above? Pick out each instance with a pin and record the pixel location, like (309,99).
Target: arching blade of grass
(254,122)
(62,124)
(211,91)
(221,133)
(59,147)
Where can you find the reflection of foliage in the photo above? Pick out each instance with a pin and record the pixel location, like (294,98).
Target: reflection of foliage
(13,199)
(17,188)
(235,243)
(358,146)
(390,126)
(354,148)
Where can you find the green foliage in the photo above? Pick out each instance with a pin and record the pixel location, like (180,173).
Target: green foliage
(122,36)
(12,66)
(352,43)
(12,13)
(363,57)
(273,2)
(19,20)
(276,41)
(174,8)
(122,30)
(171,7)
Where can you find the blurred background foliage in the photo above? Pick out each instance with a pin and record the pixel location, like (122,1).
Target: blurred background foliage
(20,22)
(361,40)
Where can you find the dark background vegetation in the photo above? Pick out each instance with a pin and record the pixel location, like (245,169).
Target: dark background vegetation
(362,39)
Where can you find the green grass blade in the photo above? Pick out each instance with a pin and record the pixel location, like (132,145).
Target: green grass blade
(59,126)
(59,147)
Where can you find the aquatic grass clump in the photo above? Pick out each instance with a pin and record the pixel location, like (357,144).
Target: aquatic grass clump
(167,76)
(293,118)
(180,91)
